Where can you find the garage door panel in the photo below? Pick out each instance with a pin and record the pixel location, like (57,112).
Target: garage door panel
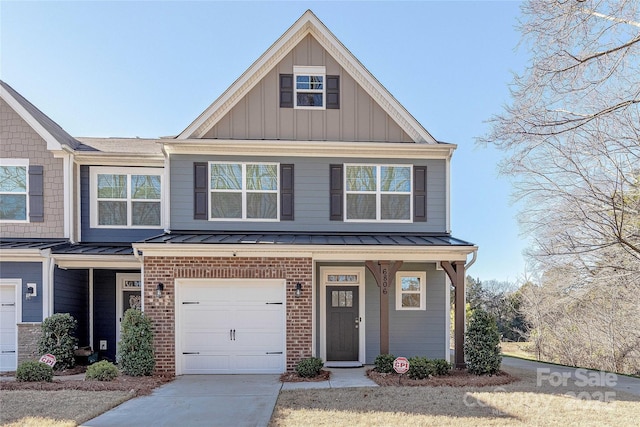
(252,309)
(8,328)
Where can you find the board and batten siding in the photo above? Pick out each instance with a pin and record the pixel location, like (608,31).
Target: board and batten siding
(258,115)
(311,197)
(28,272)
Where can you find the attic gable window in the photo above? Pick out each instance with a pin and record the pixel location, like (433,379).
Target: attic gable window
(309,87)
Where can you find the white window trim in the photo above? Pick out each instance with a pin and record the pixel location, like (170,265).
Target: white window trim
(244,192)
(25,164)
(378,194)
(100,170)
(310,71)
(423,290)
(360,283)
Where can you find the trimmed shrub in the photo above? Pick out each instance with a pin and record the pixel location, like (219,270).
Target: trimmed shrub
(310,367)
(441,367)
(384,363)
(420,368)
(102,371)
(34,371)
(135,350)
(482,344)
(57,339)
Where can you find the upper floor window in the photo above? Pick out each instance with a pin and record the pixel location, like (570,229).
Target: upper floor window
(126,197)
(247,191)
(309,87)
(378,193)
(14,191)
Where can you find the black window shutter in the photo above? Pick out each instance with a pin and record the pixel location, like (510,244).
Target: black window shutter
(286,90)
(36,193)
(200,191)
(333,92)
(420,194)
(286,193)
(335,193)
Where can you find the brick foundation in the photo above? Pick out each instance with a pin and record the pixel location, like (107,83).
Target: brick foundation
(167,269)
(28,337)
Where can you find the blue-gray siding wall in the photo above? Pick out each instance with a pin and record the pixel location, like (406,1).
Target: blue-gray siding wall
(71,295)
(311,197)
(29,272)
(104,309)
(411,333)
(105,234)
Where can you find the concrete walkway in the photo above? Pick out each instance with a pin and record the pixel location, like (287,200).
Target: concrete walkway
(217,400)
(549,372)
(340,378)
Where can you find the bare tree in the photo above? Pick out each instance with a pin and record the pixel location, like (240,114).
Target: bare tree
(572,130)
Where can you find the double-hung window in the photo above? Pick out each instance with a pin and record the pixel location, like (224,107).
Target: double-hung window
(309,87)
(411,290)
(378,193)
(14,190)
(247,191)
(126,197)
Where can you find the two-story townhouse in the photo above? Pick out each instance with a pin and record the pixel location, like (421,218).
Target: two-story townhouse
(305,212)
(69,211)
(309,215)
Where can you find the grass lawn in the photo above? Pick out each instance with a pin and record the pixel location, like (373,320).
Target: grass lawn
(517,349)
(60,408)
(519,403)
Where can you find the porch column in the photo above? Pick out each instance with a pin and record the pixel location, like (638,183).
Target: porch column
(455,271)
(385,276)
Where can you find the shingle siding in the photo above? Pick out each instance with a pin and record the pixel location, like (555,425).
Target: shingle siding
(19,141)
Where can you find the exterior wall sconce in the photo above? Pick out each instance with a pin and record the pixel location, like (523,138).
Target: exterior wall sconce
(159,289)
(298,289)
(32,291)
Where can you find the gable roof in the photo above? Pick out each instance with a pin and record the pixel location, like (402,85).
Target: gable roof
(307,24)
(48,130)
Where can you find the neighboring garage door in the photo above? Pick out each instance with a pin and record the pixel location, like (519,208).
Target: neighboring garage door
(8,328)
(231,326)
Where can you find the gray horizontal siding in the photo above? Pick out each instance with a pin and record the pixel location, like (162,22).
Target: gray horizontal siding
(105,234)
(71,295)
(29,272)
(311,197)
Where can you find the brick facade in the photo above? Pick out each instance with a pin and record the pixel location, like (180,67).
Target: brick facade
(28,336)
(167,269)
(20,141)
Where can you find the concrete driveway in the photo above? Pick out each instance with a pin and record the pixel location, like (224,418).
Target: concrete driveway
(200,400)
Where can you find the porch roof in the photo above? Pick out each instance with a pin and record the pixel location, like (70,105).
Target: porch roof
(29,244)
(94,249)
(296,238)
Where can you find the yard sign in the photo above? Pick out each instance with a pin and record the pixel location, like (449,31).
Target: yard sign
(401,365)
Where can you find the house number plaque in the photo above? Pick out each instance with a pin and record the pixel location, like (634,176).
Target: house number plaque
(385,280)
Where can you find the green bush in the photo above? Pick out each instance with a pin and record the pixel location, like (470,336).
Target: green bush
(34,371)
(57,339)
(420,368)
(310,367)
(102,371)
(441,367)
(482,344)
(135,350)
(384,363)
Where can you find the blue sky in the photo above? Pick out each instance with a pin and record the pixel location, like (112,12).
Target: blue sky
(149,68)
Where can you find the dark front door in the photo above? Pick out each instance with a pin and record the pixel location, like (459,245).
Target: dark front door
(343,322)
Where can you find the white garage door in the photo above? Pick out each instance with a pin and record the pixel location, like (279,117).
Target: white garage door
(8,328)
(231,326)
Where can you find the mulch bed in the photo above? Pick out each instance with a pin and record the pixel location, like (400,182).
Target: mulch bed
(140,386)
(457,378)
(293,377)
